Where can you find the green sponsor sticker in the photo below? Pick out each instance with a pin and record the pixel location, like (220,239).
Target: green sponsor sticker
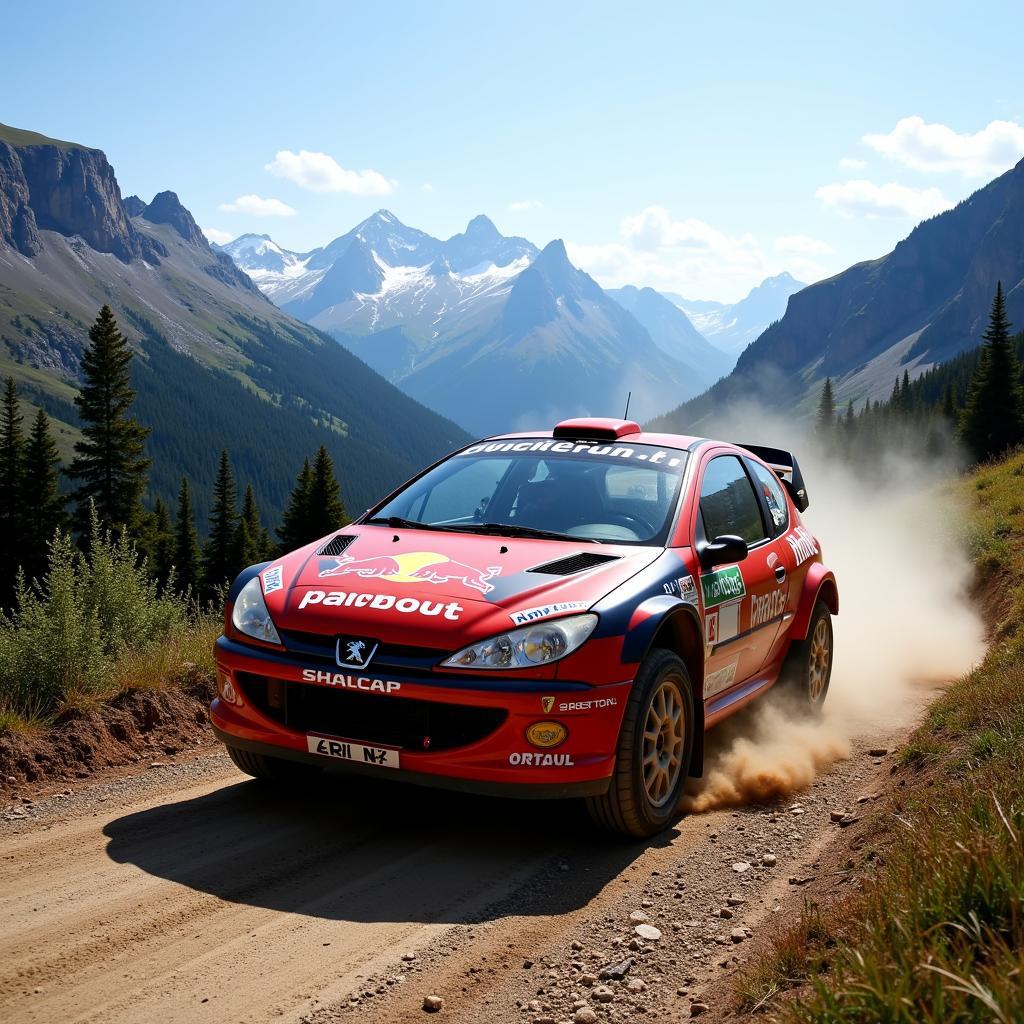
(722,585)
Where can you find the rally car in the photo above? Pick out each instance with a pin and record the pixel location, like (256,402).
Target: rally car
(559,613)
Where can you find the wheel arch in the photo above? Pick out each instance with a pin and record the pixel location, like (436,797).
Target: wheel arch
(674,625)
(820,584)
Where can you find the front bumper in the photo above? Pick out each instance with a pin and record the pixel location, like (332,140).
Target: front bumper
(452,731)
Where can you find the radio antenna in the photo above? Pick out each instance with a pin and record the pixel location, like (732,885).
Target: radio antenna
(625,415)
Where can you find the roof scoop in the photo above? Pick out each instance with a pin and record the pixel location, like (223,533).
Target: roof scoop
(597,428)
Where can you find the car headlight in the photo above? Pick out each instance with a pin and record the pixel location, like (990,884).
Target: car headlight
(250,615)
(527,647)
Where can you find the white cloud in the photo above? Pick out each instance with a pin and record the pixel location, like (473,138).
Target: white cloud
(688,256)
(851,163)
(803,244)
(218,236)
(318,172)
(525,204)
(426,187)
(866,199)
(937,147)
(257,206)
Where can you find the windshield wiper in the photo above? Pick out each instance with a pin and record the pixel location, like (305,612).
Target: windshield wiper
(512,530)
(398,523)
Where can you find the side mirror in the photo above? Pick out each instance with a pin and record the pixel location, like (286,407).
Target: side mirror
(723,550)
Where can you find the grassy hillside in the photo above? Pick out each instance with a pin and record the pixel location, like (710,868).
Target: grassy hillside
(937,932)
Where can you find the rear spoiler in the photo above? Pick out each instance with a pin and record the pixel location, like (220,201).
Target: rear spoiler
(785,466)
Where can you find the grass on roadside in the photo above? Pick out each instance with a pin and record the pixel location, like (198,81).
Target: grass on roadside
(936,934)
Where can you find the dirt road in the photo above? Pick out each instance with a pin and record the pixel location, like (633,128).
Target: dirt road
(187,893)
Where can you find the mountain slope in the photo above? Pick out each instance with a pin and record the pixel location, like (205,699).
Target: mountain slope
(218,364)
(922,303)
(670,329)
(732,327)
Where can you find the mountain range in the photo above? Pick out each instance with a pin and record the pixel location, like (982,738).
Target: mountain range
(218,364)
(732,327)
(919,305)
(453,322)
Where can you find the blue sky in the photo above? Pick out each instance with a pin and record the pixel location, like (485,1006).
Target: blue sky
(696,148)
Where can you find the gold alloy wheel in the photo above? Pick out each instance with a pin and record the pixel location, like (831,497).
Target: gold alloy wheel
(664,737)
(821,659)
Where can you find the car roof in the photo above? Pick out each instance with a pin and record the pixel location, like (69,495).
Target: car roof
(609,431)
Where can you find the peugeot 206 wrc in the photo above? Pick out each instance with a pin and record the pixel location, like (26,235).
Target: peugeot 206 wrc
(560,613)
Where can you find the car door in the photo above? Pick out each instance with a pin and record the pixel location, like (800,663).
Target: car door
(739,601)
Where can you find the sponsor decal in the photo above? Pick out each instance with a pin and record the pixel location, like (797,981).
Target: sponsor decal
(641,453)
(527,615)
(343,750)
(588,705)
(722,585)
(354,651)
(688,589)
(772,559)
(272,579)
(381,603)
(772,499)
(348,682)
(721,679)
(412,567)
(711,628)
(546,734)
(802,541)
(535,759)
(547,703)
(770,606)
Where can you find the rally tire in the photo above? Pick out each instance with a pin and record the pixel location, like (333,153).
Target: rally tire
(651,763)
(808,669)
(275,770)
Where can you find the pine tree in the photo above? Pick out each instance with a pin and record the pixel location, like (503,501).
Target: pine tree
(905,392)
(826,410)
(326,509)
(993,417)
(43,504)
(12,464)
(187,560)
(219,554)
(110,462)
(295,530)
(161,542)
(252,541)
(949,403)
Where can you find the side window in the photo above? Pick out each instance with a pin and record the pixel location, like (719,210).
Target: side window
(774,496)
(728,502)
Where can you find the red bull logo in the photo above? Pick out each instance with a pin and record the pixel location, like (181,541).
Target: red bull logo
(415,567)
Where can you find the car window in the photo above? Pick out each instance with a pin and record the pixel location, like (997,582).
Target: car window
(728,502)
(774,496)
(607,492)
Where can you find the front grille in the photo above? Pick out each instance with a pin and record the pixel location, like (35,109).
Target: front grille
(370,718)
(400,657)
(336,545)
(573,563)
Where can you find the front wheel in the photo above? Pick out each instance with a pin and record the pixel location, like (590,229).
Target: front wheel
(653,754)
(808,668)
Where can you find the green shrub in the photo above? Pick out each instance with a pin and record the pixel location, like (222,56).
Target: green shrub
(67,632)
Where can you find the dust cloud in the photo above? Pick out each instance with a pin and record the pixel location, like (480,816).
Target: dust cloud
(906,623)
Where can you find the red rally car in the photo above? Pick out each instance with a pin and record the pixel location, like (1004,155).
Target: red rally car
(558,613)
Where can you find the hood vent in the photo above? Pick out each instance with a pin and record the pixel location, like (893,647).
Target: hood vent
(336,545)
(573,563)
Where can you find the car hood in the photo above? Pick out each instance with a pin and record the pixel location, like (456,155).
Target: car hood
(440,590)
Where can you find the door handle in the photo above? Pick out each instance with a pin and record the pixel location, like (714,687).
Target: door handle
(780,573)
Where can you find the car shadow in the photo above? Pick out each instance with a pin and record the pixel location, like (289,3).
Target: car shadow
(360,850)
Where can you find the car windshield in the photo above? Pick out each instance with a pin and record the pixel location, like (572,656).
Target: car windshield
(604,492)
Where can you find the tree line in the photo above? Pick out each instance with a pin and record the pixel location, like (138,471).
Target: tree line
(109,477)
(973,405)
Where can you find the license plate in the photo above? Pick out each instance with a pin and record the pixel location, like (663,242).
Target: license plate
(344,750)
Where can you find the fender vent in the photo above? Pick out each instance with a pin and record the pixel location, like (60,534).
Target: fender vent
(336,545)
(573,563)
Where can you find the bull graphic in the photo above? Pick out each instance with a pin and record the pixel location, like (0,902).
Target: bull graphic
(414,567)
